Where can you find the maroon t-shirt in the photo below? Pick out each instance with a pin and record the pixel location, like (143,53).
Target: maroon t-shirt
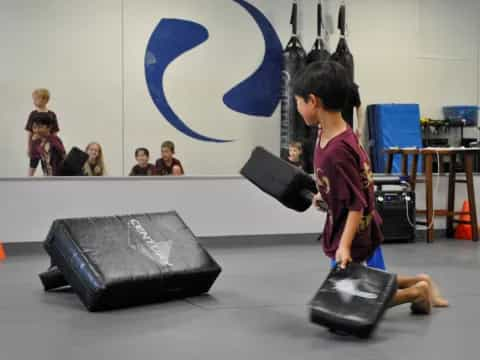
(53,125)
(161,168)
(137,170)
(345,181)
(52,154)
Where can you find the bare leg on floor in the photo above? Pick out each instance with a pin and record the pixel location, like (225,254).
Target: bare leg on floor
(419,295)
(405,282)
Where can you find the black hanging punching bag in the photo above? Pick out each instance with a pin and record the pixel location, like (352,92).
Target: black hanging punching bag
(292,127)
(318,53)
(342,54)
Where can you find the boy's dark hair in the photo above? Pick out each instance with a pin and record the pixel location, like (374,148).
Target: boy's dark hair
(169,145)
(145,150)
(327,80)
(42,119)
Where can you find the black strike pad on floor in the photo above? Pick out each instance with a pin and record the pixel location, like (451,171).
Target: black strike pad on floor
(119,261)
(276,177)
(353,300)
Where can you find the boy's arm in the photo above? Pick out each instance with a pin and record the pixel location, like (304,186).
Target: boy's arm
(29,145)
(347,190)
(343,255)
(360,121)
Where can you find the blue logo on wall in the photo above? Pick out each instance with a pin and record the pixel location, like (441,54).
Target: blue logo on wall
(258,95)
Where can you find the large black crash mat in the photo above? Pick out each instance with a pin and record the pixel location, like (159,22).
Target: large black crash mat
(120,261)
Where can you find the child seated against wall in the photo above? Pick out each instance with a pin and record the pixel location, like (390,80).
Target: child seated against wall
(167,164)
(95,166)
(143,167)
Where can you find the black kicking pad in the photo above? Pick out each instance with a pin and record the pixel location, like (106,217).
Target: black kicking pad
(353,300)
(73,163)
(276,177)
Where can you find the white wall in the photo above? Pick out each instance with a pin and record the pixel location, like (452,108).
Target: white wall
(74,49)
(210,206)
(478,55)
(422,51)
(195,85)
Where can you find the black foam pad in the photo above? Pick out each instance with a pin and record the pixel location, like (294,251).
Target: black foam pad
(286,183)
(119,261)
(292,126)
(343,56)
(52,279)
(73,163)
(353,300)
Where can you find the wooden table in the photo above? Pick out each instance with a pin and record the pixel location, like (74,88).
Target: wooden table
(427,155)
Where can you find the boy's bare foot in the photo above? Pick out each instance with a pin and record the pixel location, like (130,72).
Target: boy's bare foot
(437,299)
(423,303)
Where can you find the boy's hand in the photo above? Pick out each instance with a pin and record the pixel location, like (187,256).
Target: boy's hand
(343,257)
(319,203)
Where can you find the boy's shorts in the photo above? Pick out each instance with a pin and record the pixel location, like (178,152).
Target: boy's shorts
(34,163)
(34,154)
(376,261)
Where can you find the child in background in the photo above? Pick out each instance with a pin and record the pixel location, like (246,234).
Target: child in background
(143,167)
(40,99)
(48,146)
(95,166)
(295,151)
(167,164)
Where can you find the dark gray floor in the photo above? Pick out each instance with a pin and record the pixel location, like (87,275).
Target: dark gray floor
(256,310)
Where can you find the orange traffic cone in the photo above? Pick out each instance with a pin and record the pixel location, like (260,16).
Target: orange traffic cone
(464,231)
(3,255)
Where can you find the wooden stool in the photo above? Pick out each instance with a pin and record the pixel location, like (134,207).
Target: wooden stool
(428,154)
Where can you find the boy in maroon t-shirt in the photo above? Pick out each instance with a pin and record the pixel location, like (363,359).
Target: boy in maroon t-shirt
(168,165)
(49,147)
(345,182)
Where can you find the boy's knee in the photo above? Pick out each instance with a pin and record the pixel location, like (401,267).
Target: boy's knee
(424,277)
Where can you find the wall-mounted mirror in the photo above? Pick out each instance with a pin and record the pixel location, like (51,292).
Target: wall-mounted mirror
(131,74)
